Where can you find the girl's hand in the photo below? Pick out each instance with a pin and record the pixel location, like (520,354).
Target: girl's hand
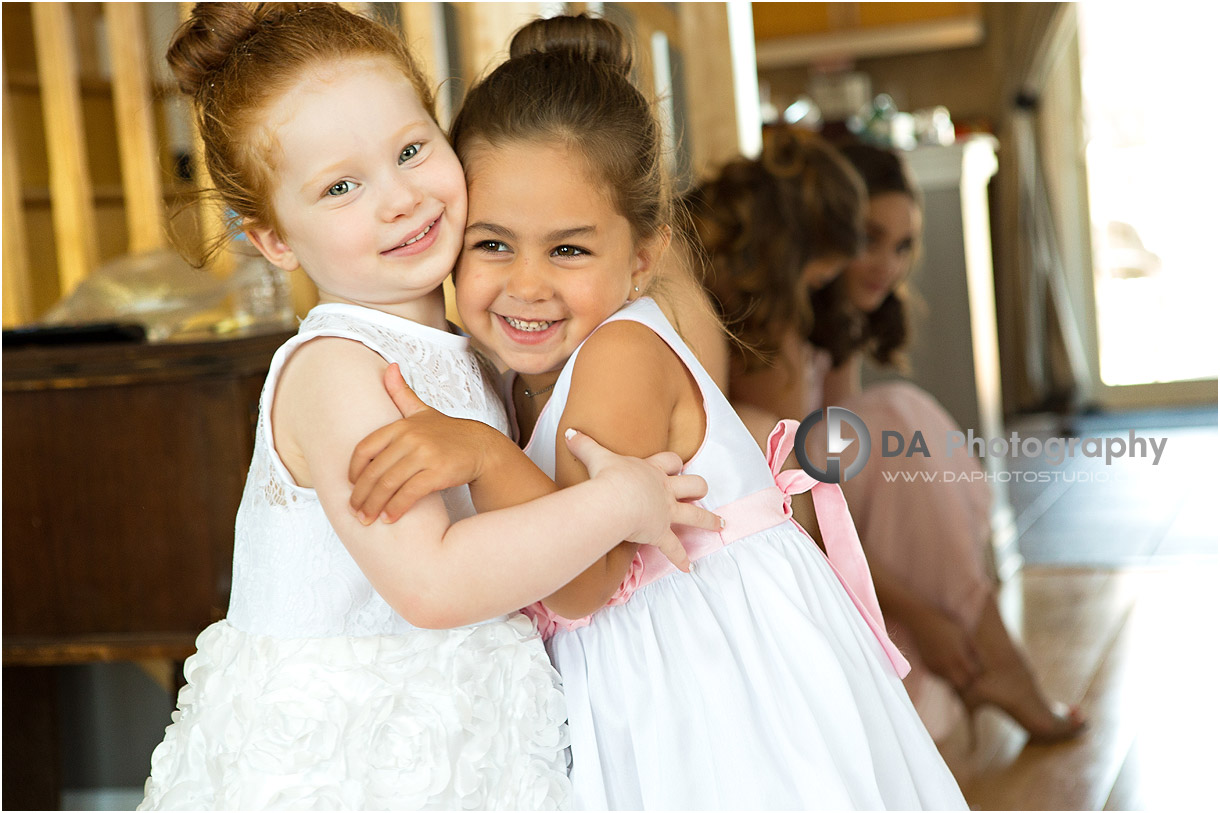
(654,490)
(403,462)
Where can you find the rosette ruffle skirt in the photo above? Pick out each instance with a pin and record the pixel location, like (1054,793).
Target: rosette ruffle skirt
(471,718)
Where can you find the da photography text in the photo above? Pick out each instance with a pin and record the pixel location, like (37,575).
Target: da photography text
(1053,451)
(843,429)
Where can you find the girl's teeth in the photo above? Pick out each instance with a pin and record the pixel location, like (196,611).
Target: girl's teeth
(527,326)
(419,236)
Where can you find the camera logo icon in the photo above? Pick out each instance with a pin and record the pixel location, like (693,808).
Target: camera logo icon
(836,443)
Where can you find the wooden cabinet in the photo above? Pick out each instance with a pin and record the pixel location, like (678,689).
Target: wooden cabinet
(124,465)
(123,470)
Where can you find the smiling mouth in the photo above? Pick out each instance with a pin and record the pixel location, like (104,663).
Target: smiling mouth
(414,239)
(526,325)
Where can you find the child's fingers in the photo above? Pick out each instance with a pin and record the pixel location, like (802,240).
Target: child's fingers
(377,484)
(696,517)
(585,448)
(367,450)
(667,462)
(363,484)
(404,397)
(669,545)
(411,492)
(687,486)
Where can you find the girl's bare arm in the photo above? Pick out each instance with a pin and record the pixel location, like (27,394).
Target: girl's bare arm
(433,573)
(628,390)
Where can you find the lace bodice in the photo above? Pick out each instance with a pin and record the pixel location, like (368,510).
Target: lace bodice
(292,576)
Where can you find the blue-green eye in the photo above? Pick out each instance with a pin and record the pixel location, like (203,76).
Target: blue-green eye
(408,152)
(341,188)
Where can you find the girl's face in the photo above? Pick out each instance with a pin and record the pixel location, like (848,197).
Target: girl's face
(891,227)
(370,199)
(547,257)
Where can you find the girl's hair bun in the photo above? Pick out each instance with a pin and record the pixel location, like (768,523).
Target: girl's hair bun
(206,40)
(582,36)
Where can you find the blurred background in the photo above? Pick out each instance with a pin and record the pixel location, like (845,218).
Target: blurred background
(1068,280)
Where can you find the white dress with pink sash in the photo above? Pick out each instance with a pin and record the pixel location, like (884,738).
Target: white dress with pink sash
(763,679)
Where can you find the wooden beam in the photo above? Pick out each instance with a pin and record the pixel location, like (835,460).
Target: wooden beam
(72,212)
(656,17)
(711,95)
(211,212)
(423,31)
(484,30)
(144,204)
(18,303)
(645,65)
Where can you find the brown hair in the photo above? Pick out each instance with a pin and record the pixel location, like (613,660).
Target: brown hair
(762,221)
(837,326)
(567,79)
(236,59)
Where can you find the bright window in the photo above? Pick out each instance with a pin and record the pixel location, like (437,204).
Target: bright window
(1147,73)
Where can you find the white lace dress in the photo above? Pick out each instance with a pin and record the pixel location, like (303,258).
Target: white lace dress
(313,693)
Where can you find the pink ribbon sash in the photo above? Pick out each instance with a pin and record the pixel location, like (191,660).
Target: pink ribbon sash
(843,548)
(749,515)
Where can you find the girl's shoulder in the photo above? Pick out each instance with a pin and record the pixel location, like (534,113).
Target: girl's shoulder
(631,386)
(628,335)
(628,351)
(440,365)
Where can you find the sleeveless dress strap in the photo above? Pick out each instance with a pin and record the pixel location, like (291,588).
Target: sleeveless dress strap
(843,548)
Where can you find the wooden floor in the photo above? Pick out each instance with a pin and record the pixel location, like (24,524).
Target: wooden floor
(1136,648)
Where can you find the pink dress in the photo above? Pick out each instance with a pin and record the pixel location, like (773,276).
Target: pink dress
(764,678)
(926,519)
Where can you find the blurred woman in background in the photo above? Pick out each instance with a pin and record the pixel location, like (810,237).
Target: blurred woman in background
(776,283)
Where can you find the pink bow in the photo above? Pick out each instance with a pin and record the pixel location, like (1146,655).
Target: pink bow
(843,548)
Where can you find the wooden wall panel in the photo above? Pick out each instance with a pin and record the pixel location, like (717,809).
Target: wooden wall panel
(18,304)
(712,116)
(71,188)
(142,189)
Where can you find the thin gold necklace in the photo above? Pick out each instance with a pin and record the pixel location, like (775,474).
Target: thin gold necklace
(532,393)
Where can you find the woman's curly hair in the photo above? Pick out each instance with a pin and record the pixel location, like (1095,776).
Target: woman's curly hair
(761,221)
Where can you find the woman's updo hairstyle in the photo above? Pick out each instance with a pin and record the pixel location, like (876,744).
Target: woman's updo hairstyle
(761,221)
(568,79)
(236,59)
(838,328)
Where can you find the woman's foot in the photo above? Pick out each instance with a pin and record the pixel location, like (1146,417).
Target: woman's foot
(1017,696)
(1008,683)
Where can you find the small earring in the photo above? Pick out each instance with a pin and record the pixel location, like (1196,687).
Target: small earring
(637,289)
